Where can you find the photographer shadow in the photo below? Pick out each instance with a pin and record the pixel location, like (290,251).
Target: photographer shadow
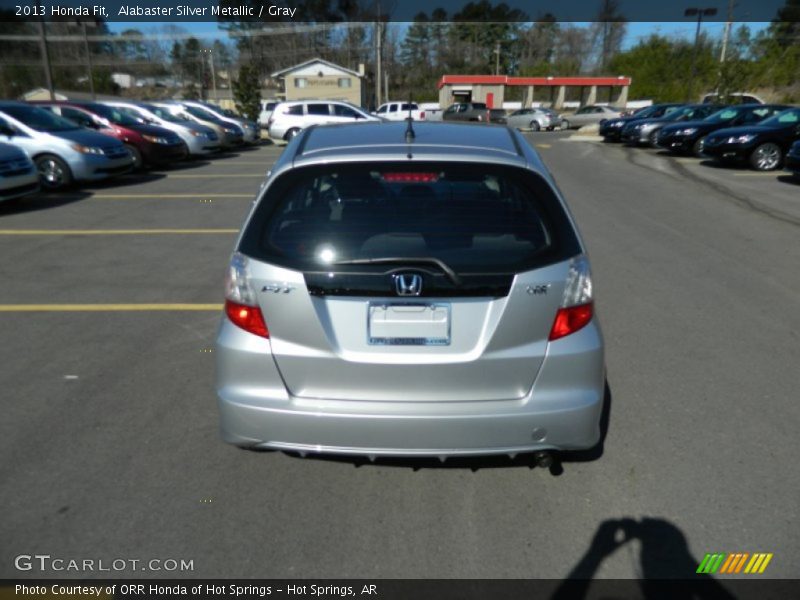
(667,567)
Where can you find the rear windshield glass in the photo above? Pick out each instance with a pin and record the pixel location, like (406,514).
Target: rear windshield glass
(474,218)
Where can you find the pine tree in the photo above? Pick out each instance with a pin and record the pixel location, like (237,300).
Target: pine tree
(247,92)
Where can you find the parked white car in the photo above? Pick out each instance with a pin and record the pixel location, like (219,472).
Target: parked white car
(290,118)
(589,115)
(399,111)
(18,174)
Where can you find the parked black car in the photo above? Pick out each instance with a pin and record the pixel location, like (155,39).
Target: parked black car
(792,162)
(611,129)
(763,145)
(688,137)
(644,131)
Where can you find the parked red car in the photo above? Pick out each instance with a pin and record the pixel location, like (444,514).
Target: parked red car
(149,145)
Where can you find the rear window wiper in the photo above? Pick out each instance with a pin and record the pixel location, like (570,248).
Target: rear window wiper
(399,260)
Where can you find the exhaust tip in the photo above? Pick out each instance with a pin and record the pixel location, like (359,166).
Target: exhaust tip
(543,459)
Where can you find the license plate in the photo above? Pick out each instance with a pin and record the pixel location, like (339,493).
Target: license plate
(408,324)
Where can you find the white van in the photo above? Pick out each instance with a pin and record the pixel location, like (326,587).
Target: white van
(267,106)
(290,118)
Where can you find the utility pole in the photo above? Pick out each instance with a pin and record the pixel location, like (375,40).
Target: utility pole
(497,59)
(45,52)
(727,32)
(723,51)
(700,13)
(386,86)
(210,52)
(88,60)
(378,78)
(202,77)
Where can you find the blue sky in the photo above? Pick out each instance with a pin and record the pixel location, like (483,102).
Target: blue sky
(636,31)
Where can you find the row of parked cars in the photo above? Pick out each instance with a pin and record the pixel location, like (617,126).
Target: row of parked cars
(765,136)
(54,144)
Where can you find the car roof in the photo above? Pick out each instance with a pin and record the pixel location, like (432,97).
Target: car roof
(433,141)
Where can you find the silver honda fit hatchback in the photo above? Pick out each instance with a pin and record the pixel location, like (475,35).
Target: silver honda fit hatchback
(406,292)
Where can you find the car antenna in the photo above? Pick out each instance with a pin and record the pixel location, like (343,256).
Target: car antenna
(410,135)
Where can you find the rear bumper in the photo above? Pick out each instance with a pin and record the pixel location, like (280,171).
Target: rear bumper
(561,412)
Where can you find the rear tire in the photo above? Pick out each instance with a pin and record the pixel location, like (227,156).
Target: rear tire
(54,173)
(534,126)
(766,157)
(291,134)
(565,124)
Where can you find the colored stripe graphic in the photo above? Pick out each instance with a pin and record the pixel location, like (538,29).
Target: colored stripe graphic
(758,563)
(733,563)
(711,562)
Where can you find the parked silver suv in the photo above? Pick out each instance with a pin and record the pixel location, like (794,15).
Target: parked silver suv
(410,294)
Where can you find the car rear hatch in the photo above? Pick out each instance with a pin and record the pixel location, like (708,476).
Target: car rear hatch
(381,284)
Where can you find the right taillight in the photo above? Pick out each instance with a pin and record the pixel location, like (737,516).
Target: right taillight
(241,306)
(576,308)
(248,318)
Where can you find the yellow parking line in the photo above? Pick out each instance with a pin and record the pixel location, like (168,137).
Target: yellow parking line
(209,176)
(106,307)
(114,231)
(768,174)
(543,146)
(685,160)
(148,196)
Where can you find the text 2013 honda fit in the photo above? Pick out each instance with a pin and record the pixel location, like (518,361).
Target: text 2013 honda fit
(405,293)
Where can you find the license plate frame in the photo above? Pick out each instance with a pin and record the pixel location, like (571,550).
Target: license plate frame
(426,323)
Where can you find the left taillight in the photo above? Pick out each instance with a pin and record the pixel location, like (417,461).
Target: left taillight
(577,305)
(241,305)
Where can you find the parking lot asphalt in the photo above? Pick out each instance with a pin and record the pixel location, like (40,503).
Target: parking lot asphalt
(111,296)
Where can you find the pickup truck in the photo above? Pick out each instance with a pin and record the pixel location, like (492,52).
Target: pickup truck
(398,111)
